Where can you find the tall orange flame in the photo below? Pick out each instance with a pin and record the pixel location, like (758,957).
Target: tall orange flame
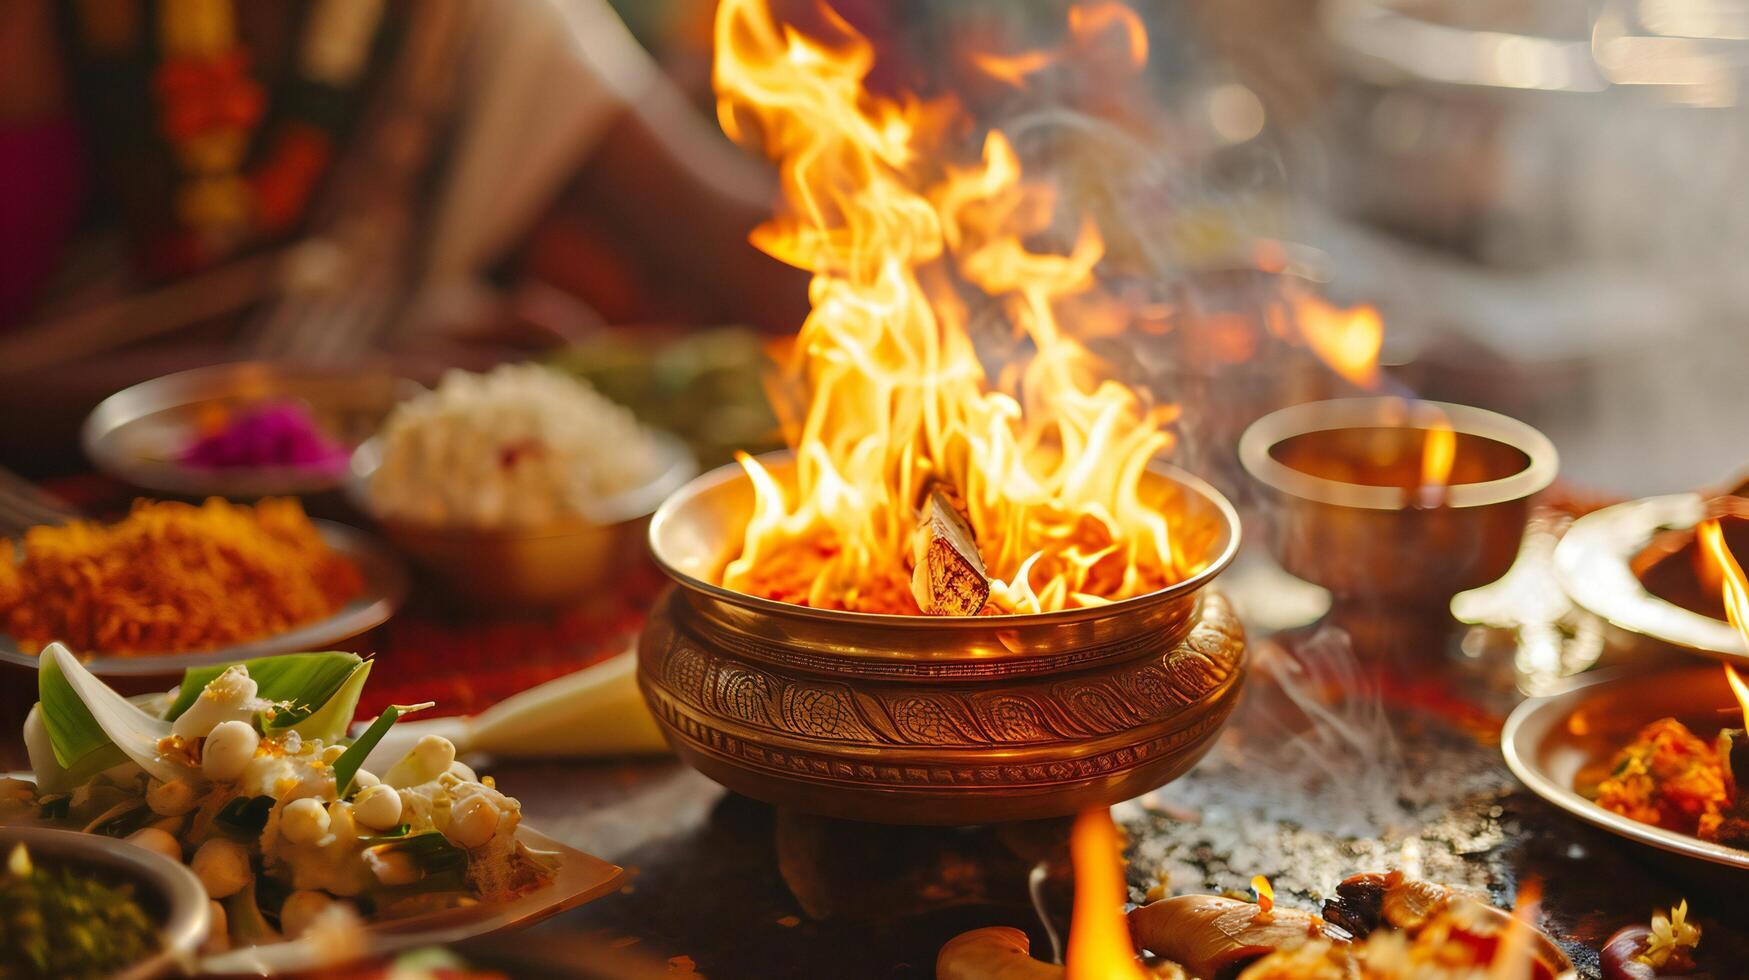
(1735,589)
(1049,459)
(1099,936)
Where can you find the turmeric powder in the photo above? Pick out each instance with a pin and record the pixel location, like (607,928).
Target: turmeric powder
(172,578)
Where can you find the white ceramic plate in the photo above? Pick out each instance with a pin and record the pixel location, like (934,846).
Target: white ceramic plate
(1547,741)
(385,586)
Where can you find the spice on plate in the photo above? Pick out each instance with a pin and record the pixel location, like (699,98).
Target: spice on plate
(274,434)
(173,577)
(57,922)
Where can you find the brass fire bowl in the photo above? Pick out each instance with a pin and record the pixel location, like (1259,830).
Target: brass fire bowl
(935,720)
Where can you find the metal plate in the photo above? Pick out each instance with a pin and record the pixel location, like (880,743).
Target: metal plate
(135,434)
(581,878)
(385,586)
(1548,741)
(1593,563)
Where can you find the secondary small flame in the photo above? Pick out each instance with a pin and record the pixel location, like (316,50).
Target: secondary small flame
(1348,340)
(1099,936)
(1438,453)
(1049,457)
(1265,896)
(1088,24)
(1735,589)
(1089,20)
(1741,689)
(1515,959)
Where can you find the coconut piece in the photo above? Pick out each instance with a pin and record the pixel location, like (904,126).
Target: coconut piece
(1211,936)
(994,953)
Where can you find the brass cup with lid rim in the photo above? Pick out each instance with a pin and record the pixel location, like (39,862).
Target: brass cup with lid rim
(1346,513)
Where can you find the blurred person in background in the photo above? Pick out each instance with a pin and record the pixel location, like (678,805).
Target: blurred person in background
(513,160)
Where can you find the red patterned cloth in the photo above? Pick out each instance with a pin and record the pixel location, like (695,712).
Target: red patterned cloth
(469,664)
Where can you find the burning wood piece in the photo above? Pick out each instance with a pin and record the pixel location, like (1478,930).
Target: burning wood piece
(947,577)
(1366,901)
(1211,936)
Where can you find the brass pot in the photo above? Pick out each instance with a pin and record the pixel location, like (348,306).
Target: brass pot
(935,720)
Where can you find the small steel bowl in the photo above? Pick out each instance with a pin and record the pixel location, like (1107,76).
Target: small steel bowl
(168,891)
(529,568)
(928,719)
(1340,516)
(136,434)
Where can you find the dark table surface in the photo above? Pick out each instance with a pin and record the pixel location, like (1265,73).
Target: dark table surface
(1333,763)
(1402,771)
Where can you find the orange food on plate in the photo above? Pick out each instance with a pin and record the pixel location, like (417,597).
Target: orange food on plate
(1667,776)
(172,577)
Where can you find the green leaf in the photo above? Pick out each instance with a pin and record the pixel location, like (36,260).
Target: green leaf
(335,716)
(395,833)
(347,765)
(81,749)
(308,681)
(134,731)
(430,851)
(246,814)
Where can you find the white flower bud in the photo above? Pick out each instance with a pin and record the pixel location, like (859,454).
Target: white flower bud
(300,909)
(153,839)
(332,753)
(341,822)
(472,822)
(171,799)
(365,779)
(222,867)
(428,759)
(303,821)
(227,750)
(227,697)
(377,807)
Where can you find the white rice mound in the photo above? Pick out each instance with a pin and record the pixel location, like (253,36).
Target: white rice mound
(517,447)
